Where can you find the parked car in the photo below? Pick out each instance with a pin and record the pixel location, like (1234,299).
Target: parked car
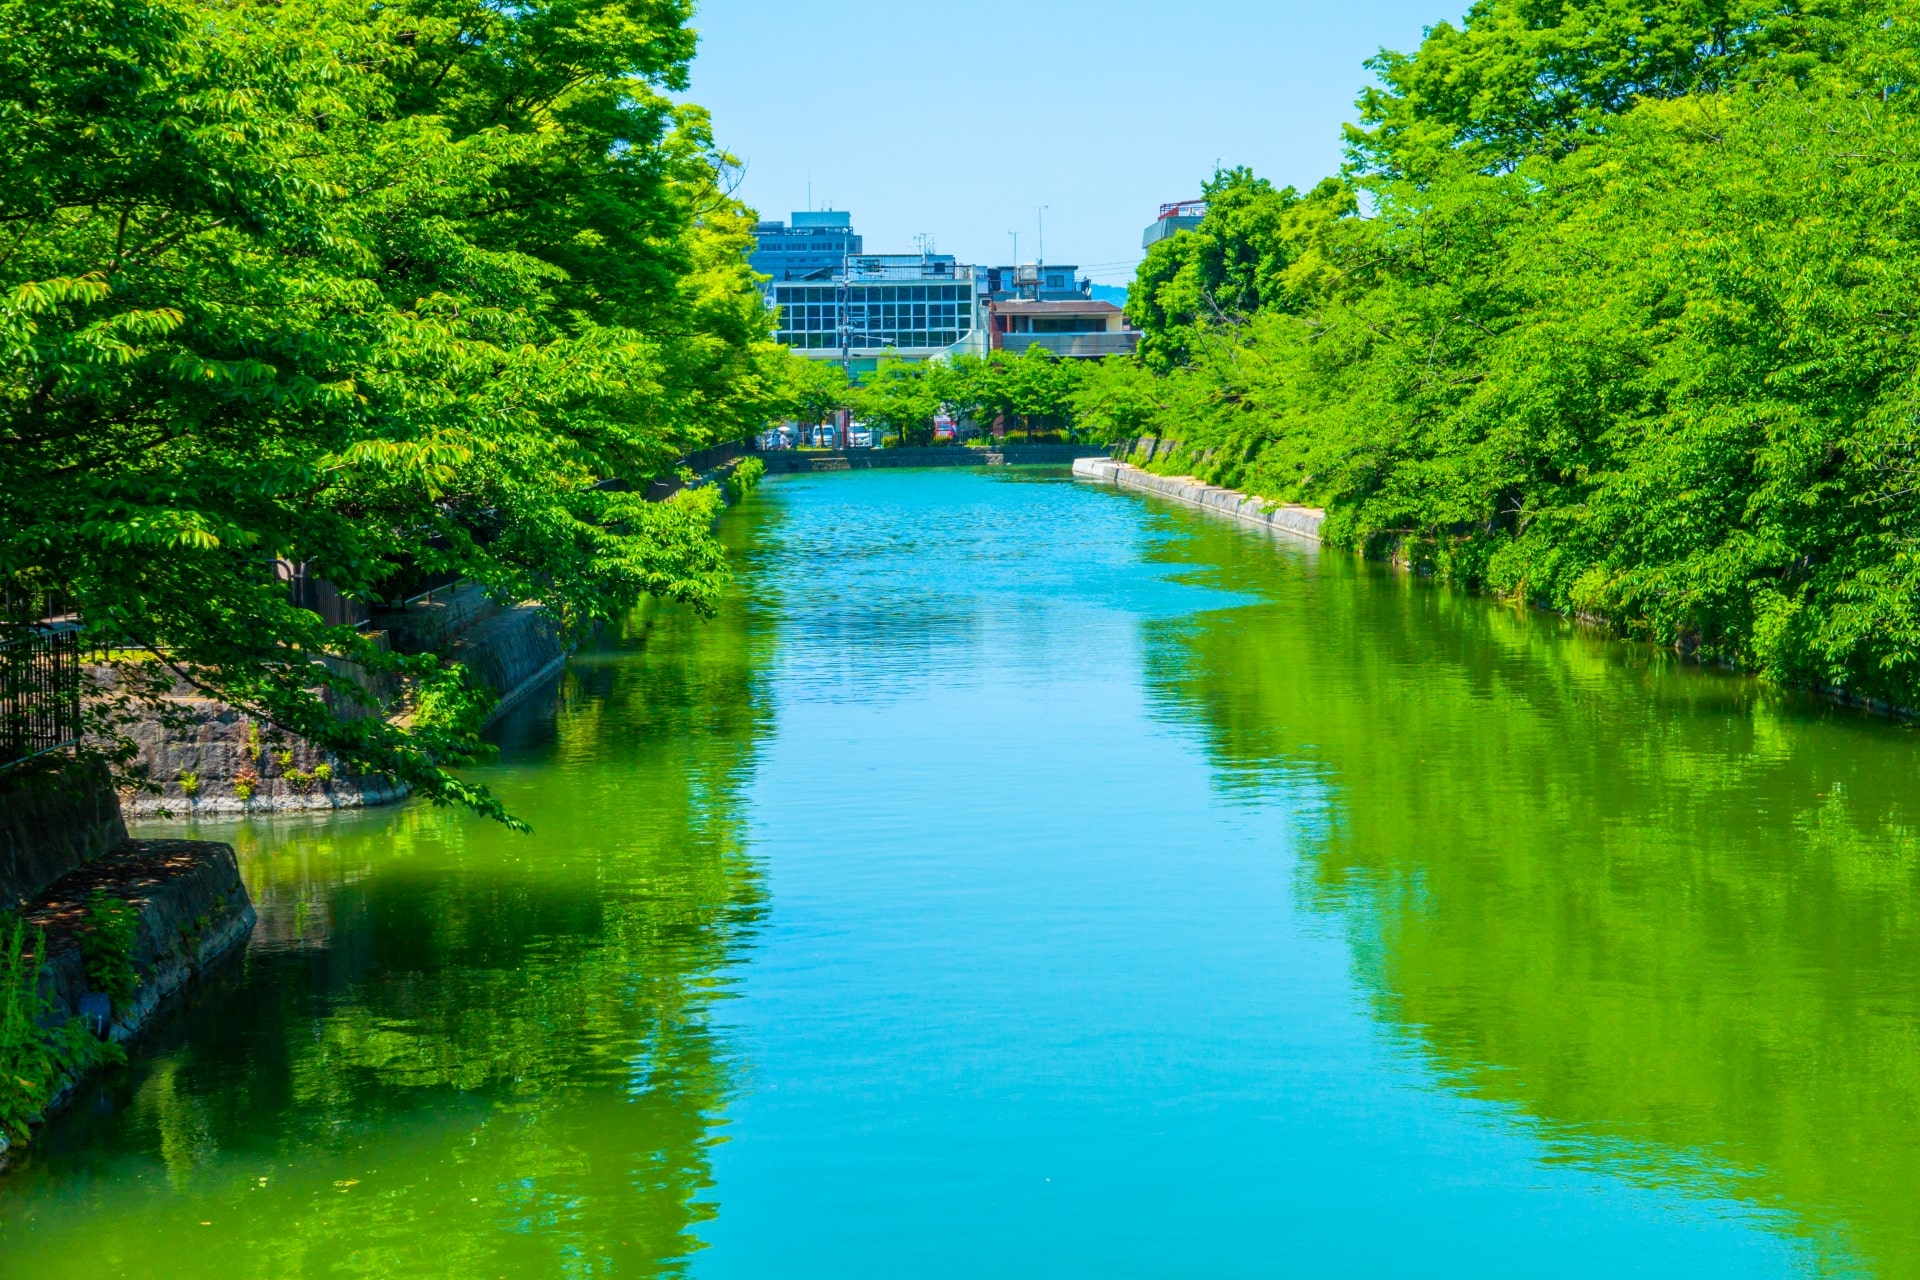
(860,438)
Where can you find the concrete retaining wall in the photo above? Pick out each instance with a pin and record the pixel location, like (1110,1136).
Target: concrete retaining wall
(193,909)
(514,653)
(198,762)
(1298,521)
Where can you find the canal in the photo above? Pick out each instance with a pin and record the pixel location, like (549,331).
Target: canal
(1021,878)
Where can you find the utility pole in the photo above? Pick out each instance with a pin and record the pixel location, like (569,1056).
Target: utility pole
(846,349)
(1040,258)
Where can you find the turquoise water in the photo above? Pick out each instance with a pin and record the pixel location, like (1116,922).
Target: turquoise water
(1021,878)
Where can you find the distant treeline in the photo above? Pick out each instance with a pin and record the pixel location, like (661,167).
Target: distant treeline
(1612,308)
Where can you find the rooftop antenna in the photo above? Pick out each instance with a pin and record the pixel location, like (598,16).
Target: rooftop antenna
(1040,257)
(809,193)
(1016,247)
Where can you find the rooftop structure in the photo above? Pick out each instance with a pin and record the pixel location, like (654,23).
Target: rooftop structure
(1181,215)
(1039,282)
(814,247)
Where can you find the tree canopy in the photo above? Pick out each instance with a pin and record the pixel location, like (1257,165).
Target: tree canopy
(381,290)
(1620,326)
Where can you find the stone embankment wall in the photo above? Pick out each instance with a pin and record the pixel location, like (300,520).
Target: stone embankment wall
(193,909)
(52,824)
(789,461)
(214,753)
(65,841)
(214,759)
(515,652)
(1298,521)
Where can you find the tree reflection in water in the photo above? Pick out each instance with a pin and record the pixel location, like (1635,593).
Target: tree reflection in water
(1668,916)
(451,1049)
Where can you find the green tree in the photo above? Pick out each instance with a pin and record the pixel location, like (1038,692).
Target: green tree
(814,390)
(900,397)
(976,387)
(1250,252)
(380,290)
(1520,78)
(1654,368)
(1041,385)
(1001,387)
(1116,399)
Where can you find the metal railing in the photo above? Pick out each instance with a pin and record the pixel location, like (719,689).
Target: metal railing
(39,693)
(309,591)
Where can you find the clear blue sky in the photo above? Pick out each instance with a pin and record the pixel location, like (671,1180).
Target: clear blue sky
(958,120)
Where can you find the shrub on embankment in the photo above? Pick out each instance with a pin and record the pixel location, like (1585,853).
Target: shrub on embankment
(38,1053)
(1623,327)
(743,478)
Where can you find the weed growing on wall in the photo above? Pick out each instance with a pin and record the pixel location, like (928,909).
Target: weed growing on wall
(742,480)
(35,1059)
(106,945)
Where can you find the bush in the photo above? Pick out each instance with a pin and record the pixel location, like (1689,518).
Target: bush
(35,1060)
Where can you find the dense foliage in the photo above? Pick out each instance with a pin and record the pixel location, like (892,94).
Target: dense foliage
(381,289)
(1625,327)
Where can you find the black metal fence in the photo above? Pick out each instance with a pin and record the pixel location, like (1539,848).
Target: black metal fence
(39,693)
(322,597)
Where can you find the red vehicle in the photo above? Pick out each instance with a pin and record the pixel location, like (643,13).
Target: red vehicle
(943,428)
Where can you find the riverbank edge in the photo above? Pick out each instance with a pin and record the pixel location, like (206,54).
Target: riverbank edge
(1288,518)
(1305,522)
(194,913)
(515,650)
(512,650)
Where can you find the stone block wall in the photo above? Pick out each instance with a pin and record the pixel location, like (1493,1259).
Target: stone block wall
(52,823)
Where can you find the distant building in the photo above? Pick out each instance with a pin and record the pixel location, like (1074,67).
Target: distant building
(916,305)
(833,297)
(1040,282)
(1181,215)
(1080,329)
(815,246)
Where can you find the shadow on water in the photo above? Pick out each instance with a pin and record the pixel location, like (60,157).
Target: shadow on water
(451,1049)
(1669,918)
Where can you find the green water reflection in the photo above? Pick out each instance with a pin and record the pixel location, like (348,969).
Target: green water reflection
(452,1050)
(1023,879)
(1670,915)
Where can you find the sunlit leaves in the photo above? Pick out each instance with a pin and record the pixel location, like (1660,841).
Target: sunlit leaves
(385,290)
(1655,368)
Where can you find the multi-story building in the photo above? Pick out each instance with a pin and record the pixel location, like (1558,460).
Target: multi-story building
(816,245)
(1080,329)
(1181,215)
(916,305)
(835,301)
